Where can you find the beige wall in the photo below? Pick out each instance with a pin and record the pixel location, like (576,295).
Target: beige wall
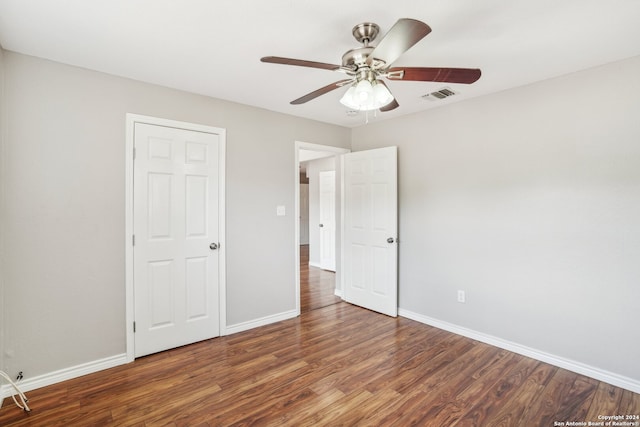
(64,211)
(529,200)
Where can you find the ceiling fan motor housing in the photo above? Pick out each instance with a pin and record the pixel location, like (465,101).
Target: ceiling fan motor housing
(366,32)
(356,57)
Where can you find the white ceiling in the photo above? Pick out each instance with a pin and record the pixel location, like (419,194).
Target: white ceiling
(213,47)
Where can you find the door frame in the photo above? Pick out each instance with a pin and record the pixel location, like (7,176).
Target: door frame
(131,120)
(331,150)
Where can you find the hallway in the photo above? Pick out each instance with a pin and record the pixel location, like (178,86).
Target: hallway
(317,286)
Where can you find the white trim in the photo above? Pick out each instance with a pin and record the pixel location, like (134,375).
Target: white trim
(65,374)
(222,230)
(128,233)
(561,362)
(299,145)
(131,120)
(315,264)
(3,167)
(263,321)
(340,277)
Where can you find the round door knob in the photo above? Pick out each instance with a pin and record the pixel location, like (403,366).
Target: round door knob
(213,246)
(321,225)
(390,240)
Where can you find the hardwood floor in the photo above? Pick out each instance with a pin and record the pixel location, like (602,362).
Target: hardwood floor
(339,365)
(317,286)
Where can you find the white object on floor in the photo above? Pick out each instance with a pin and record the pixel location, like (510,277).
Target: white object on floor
(23,398)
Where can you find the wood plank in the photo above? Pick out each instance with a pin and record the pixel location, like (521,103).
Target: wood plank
(443,384)
(500,395)
(450,403)
(574,404)
(513,413)
(630,404)
(606,401)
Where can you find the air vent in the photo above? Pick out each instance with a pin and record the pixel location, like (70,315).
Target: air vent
(439,94)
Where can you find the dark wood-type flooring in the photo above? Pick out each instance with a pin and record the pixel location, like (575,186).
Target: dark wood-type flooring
(338,365)
(317,286)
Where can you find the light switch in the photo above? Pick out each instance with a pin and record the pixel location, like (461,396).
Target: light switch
(280,210)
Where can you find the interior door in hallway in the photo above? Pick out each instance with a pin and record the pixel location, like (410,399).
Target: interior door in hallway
(176,261)
(371,229)
(327,205)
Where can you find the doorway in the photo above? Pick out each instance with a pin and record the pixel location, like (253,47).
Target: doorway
(322,287)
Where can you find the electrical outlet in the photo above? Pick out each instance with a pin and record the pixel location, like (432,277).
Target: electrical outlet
(462,297)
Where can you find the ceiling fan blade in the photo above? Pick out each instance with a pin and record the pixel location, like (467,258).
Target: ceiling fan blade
(404,34)
(299,62)
(425,74)
(390,106)
(316,93)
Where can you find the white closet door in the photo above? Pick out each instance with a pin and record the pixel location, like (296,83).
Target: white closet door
(176,236)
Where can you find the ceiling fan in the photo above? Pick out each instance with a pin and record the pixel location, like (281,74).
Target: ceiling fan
(367,65)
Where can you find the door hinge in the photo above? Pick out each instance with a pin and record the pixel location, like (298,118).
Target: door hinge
(134,153)
(134,327)
(133,240)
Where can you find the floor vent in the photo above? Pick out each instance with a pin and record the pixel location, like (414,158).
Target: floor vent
(439,94)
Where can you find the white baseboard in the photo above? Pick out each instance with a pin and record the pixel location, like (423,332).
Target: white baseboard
(338,293)
(64,374)
(314,264)
(570,365)
(245,326)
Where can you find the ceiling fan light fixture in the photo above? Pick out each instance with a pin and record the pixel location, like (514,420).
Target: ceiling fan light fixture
(366,95)
(349,100)
(364,92)
(382,95)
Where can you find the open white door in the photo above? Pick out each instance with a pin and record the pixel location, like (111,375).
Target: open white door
(371,229)
(176,254)
(327,190)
